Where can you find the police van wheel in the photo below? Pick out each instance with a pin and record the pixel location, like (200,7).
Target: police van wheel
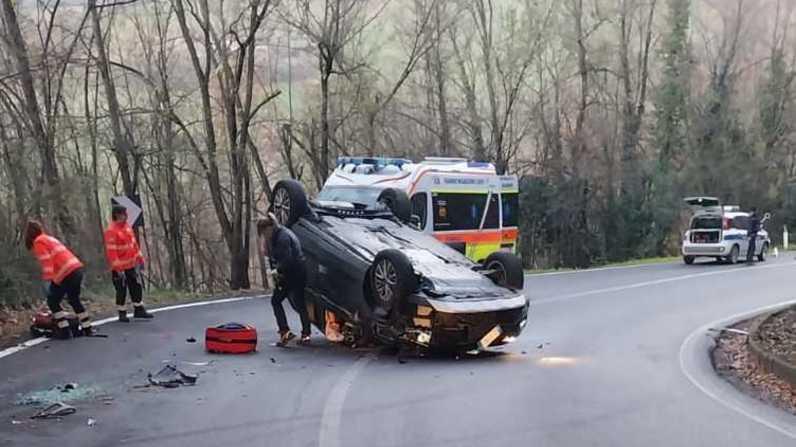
(288,202)
(763,252)
(688,259)
(734,253)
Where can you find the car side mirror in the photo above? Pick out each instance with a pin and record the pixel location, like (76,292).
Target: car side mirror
(415,221)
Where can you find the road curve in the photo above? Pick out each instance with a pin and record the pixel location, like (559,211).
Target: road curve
(598,365)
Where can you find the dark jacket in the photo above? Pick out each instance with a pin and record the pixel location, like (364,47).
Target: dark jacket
(754,224)
(286,254)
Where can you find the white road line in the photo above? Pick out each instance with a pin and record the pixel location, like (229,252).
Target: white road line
(331,417)
(657,282)
(36,341)
(723,392)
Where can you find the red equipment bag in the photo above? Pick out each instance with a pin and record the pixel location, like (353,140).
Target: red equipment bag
(231,338)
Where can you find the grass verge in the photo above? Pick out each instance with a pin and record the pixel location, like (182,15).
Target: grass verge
(628,263)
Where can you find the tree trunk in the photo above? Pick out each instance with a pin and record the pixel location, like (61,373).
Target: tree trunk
(51,177)
(121,144)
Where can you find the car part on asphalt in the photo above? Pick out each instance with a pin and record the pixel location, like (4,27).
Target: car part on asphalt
(171,377)
(54,411)
(231,338)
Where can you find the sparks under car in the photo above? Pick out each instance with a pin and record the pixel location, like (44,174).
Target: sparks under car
(372,275)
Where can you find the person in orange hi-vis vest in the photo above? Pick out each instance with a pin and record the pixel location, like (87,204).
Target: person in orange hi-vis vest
(62,272)
(125,260)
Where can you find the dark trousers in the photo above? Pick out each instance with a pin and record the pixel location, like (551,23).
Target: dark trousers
(128,280)
(293,288)
(750,254)
(69,288)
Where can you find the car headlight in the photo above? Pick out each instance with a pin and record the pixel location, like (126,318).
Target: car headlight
(523,323)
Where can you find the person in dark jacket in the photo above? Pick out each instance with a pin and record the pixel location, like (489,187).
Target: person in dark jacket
(290,276)
(751,232)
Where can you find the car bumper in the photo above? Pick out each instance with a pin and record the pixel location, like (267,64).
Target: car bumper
(720,249)
(473,325)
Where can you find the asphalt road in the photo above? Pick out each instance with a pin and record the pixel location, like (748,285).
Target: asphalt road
(598,365)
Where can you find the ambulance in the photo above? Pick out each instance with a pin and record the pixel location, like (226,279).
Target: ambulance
(464,204)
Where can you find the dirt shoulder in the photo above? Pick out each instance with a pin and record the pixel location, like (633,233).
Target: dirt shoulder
(15,323)
(734,361)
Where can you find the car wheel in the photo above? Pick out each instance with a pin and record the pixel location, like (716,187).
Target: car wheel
(398,203)
(763,252)
(288,202)
(688,259)
(508,270)
(392,280)
(734,253)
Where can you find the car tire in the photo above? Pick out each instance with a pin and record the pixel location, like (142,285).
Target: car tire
(509,270)
(735,252)
(688,259)
(289,202)
(763,252)
(392,280)
(398,203)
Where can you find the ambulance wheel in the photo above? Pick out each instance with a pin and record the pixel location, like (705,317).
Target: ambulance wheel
(398,203)
(763,252)
(392,279)
(289,202)
(507,269)
(688,260)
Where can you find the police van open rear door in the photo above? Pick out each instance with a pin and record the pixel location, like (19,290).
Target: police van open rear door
(707,223)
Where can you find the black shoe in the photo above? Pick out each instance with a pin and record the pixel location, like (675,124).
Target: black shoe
(285,338)
(88,331)
(123,316)
(140,312)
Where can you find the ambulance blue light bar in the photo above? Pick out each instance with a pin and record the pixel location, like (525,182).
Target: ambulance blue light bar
(378,162)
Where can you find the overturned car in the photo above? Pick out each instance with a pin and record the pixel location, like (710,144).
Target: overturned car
(373,276)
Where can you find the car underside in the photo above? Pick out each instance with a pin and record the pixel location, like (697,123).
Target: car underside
(373,277)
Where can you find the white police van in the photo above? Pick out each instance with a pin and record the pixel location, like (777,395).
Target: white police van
(720,232)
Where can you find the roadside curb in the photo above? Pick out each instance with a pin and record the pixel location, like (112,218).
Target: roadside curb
(37,341)
(769,361)
(697,366)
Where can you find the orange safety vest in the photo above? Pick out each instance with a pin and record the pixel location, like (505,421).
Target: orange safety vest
(56,261)
(121,247)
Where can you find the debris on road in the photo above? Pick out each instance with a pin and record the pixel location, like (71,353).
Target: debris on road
(68,392)
(190,340)
(730,330)
(55,411)
(210,362)
(91,422)
(171,377)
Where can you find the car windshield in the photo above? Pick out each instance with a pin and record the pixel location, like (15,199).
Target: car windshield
(358,195)
(706,223)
